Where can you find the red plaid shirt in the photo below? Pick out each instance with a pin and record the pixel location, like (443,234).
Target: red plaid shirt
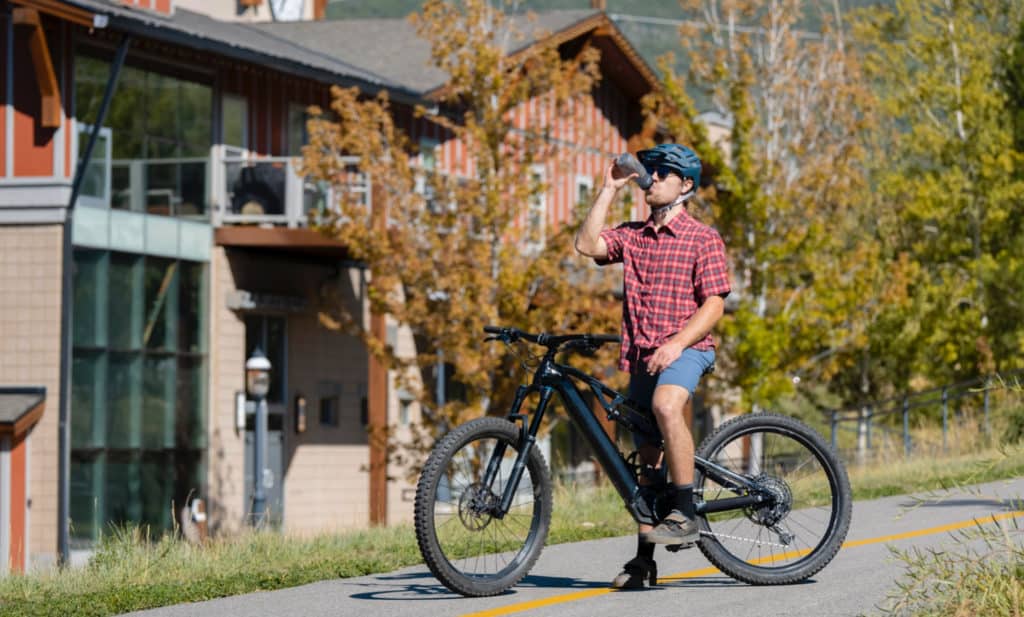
(667,275)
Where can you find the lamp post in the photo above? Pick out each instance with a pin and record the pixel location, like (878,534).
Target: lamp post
(257,383)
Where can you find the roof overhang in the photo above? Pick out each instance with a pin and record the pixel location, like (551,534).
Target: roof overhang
(20,409)
(144,24)
(282,239)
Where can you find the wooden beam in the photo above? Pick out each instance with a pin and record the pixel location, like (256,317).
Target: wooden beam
(61,10)
(46,78)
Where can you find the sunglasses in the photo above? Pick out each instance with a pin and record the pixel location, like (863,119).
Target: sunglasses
(662,170)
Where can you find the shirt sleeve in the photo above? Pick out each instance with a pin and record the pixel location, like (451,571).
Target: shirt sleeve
(615,239)
(711,272)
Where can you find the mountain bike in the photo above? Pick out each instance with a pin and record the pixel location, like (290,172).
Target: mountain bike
(771,496)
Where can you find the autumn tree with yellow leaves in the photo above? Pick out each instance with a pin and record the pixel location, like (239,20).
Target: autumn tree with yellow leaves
(787,192)
(469,255)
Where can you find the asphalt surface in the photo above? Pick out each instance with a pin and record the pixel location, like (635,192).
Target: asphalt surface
(572,579)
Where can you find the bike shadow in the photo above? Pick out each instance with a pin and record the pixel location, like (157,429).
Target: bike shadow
(705,582)
(396,587)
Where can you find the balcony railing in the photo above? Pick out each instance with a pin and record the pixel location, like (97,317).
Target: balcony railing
(235,190)
(269,191)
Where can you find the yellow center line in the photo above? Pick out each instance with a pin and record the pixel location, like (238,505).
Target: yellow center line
(593,593)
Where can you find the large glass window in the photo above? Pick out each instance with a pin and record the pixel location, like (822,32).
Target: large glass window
(158,133)
(138,390)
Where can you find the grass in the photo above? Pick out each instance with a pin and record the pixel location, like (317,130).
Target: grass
(131,572)
(983,574)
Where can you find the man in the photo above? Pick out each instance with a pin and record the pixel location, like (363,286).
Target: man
(675,280)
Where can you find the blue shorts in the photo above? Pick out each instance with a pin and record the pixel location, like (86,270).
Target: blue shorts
(686,372)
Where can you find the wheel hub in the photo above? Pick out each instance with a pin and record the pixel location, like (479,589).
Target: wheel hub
(778,505)
(476,506)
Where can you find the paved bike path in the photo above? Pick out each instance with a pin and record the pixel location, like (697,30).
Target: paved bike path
(572,579)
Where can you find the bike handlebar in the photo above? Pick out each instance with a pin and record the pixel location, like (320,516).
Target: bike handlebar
(551,341)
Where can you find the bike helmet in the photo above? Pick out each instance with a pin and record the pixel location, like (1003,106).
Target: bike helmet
(679,159)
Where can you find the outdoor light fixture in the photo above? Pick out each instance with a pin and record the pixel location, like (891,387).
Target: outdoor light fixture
(257,382)
(257,374)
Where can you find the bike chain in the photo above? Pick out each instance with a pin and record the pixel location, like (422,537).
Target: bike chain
(728,537)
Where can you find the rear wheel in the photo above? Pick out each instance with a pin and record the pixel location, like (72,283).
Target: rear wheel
(801,526)
(466,543)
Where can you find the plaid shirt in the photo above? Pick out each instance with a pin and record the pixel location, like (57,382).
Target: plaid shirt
(667,275)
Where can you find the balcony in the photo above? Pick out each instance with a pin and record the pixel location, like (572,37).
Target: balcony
(268,192)
(226,188)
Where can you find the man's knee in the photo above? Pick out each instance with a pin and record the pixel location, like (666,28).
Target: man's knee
(669,402)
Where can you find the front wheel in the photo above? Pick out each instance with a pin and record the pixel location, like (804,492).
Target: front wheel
(799,528)
(465,540)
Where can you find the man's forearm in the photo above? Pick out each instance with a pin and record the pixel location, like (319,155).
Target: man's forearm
(701,323)
(590,231)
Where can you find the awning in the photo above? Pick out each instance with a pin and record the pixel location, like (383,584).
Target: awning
(20,409)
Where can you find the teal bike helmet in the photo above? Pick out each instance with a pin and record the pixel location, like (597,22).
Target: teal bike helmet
(678,159)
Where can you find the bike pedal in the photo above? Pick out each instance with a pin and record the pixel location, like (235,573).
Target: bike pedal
(675,548)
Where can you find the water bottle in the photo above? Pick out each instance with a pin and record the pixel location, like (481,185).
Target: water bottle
(627,164)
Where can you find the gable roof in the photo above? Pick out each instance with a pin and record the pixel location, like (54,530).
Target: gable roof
(392,49)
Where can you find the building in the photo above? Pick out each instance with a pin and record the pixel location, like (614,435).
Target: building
(189,249)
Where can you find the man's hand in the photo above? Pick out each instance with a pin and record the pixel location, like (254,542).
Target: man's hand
(614,179)
(663,357)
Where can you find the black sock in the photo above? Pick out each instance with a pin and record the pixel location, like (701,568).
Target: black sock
(644,548)
(682,499)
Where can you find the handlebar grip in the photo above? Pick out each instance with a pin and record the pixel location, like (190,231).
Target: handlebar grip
(606,338)
(493,329)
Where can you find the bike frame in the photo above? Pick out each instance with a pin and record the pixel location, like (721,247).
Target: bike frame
(551,377)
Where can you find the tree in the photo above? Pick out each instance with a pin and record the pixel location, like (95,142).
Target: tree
(788,192)
(948,179)
(471,255)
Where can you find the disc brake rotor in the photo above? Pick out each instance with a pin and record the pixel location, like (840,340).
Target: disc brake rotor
(476,506)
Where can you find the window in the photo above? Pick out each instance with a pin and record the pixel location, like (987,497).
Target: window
(95,189)
(160,130)
(537,211)
(584,190)
(234,124)
(298,133)
(329,411)
(138,433)
(425,179)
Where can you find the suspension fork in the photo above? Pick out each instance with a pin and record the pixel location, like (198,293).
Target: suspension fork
(527,439)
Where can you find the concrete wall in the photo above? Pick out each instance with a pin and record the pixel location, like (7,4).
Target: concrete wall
(30,279)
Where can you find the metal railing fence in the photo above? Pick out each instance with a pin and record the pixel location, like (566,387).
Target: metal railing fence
(867,420)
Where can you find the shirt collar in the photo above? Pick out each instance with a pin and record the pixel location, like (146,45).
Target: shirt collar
(675,226)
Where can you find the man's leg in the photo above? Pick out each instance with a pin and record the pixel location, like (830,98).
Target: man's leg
(642,568)
(668,405)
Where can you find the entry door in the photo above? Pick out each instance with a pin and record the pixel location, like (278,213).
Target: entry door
(269,333)
(273,485)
